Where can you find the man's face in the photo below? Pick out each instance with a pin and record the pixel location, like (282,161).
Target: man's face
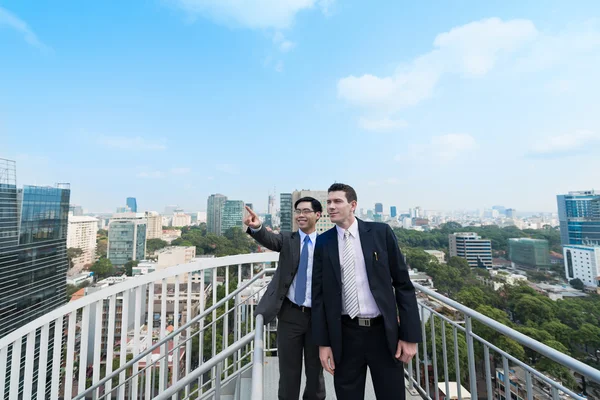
(338,207)
(306,217)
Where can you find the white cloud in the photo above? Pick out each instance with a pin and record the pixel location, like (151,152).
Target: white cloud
(282,43)
(255,14)
(180,170)
(566,143)
(228,169)
(131,143)
(14,22)
(471,50)
(381,125)
(442,148)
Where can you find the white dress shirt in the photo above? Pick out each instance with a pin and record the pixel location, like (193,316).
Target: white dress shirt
(366,303)
(291,294)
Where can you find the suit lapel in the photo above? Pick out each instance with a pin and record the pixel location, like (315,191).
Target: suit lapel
(366,243)
(295,251)
(334,253)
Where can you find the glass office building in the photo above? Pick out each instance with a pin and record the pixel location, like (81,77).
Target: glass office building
(232,215)
(529,253)
(579,218)
(132,204)
(126,239)
(33,259)
(285,212)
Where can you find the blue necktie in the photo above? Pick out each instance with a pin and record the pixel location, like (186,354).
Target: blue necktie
(300,294)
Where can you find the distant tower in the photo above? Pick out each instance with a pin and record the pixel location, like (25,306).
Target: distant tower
(132,204)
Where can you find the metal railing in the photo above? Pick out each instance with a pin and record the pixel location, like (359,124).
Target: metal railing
(208,348)
(478,356)
(259,360)
(138,338)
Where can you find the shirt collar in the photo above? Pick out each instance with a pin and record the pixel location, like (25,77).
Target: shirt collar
(312,236)
(353,230)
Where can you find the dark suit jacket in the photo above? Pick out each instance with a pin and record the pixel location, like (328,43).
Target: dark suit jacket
(288,246)
(390,285)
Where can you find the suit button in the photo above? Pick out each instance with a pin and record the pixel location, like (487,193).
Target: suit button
(281,298)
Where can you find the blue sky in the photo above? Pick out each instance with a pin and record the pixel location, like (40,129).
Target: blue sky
(465,104)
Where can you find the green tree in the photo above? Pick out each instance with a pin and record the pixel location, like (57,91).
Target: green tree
(101,247)
(155,244)
(129,266)
(460,264)
(471,297)
(555,369)
(72,253)
(561,332)
(102,268)
(534,308)
(577,284)
(450,350)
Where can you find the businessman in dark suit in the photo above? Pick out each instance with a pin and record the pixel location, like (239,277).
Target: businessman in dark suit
(365,310)
(288,297)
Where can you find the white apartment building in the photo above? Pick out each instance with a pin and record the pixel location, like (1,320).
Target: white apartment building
(155,224)
(582,262)
(81,234)
(471,247)
(437,254)
(181,219)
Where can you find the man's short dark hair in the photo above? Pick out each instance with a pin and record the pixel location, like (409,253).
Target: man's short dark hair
(347,189)
(316,204)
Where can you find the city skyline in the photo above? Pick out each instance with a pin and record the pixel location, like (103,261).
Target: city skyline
(166,101)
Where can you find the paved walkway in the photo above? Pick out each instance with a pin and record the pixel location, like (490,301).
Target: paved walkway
(272,380)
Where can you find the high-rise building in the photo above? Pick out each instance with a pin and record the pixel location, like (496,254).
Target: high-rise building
(33,257)
(181,219)
(33,269)
(81,235)
(132,204)
(232,215)
(583,262)
(393,211)
(213,213)
(579,218)
(511,213)
(76,210)
(271,205)
(126,238)
(154,228)
(285,211)
(529,253)
(470,246)
(378,208)
(324,223)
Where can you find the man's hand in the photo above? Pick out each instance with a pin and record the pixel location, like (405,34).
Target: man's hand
(405,351)
(252,219)
(326,357)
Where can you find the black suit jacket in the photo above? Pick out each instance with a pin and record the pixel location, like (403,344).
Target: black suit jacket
(288,246)
(389,281)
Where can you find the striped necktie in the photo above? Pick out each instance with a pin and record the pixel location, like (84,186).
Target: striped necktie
(348,278)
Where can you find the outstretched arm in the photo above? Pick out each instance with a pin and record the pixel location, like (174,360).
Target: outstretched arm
(255,229)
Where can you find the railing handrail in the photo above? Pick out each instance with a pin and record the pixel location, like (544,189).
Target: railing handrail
(199,264)
(525,340)
(176,332)
(258,362)
(205,367)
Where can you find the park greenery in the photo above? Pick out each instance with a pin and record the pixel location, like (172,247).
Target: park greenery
(571,326)
(234,241)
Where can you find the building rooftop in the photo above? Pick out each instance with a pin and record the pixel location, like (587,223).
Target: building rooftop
(75,218)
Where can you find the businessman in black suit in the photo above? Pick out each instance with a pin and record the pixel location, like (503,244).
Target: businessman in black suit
(364,305)
(288,297)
